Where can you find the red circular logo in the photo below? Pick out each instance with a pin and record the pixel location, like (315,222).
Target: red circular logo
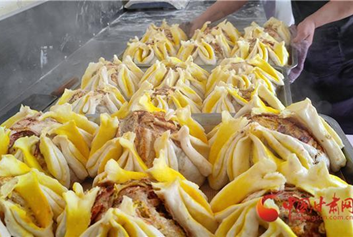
(266,214)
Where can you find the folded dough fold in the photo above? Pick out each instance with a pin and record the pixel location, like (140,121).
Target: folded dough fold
(105,100)
(186,203)
(225,28)
(306,113)
(122,221)
(121,149)
(169,72)
(77,215)
(278,30)
(154,45)
(226,97)
(173,32)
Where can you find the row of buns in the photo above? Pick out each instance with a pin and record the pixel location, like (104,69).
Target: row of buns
(148,169)
(114,87)
(209,45)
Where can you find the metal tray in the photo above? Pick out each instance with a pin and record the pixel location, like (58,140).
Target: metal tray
(209,121)
(293,61)
(43,102)
(284,93)
(38,102)
(153,5)
(346,172)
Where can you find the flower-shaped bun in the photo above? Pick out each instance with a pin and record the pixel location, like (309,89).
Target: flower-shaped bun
(173,33)
(123,75)
(104,100)
(170,72)
(256,41)
(158,43)
(206,51)
(225,28)
(136,203)
(225,97)
(244,74)
(238,143)
(278,30)
(135,141)
(56,142)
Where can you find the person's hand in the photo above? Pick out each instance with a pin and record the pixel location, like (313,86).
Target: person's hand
(302,49)
(185,26)
(190,27)
(305,31)
(194,26)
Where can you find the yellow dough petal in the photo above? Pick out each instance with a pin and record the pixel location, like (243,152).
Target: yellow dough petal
(4,140)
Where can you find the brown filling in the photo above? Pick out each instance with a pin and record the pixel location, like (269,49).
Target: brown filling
(208,30)
(269,43)
(241,67)
(40,158)
(77,96)
(251,44)
(114,78)
(103,202)
(163,91)
(149,207)
(27,127)
(168,34)
(147,127)
(246,94)
(288,126)
(17,135)
(295,210)
(273,33)
(218,50)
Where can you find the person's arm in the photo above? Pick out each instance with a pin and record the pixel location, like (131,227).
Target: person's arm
(330,12)
(217,11)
